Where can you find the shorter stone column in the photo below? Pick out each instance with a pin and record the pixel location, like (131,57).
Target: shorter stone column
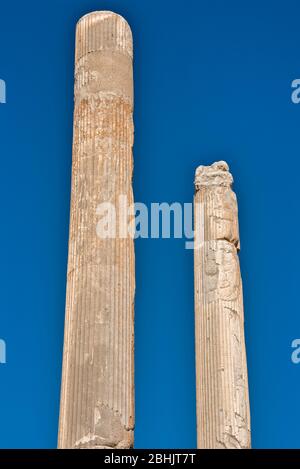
(223,417)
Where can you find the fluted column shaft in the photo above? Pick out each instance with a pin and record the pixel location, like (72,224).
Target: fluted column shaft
(223,419)
(97,396)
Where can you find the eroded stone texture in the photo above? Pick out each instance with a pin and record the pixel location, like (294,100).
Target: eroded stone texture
(97,396)
(223,417)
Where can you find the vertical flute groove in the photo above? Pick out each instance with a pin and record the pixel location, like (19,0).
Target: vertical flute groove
(223,416)
(97,395)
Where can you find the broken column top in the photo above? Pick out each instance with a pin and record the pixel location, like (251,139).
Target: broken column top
(103,30)
(216,174)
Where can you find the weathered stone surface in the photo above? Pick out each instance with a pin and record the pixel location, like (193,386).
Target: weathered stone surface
(97,396)
(223,417)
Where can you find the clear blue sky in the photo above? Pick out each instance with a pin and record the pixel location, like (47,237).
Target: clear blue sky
(212,81)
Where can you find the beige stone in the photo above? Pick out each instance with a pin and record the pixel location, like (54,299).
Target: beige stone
(97,394)
(223,417)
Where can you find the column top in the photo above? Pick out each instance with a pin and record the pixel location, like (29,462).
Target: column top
(216,174)
(103,30)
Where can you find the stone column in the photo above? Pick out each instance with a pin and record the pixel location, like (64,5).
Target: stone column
(223,418)
(97,395)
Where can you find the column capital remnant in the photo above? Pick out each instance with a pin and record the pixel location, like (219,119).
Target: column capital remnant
(215,175)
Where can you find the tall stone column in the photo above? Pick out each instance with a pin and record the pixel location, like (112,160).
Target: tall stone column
(97,395)
(223,418)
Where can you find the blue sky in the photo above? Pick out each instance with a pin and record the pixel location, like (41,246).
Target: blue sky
(212,81)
